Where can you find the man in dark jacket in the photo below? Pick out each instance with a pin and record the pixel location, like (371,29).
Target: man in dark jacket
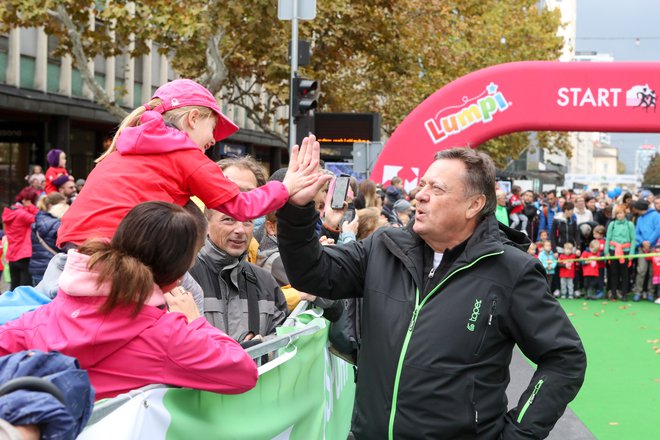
(445,301)
(531,211)
(565,229)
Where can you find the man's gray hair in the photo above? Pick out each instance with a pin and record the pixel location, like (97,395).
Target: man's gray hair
(246,163)
(479,175)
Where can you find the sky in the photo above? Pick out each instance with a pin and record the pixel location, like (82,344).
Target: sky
(612,26)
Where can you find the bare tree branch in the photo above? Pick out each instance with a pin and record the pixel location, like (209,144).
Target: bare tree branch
(216,69)
(81,62)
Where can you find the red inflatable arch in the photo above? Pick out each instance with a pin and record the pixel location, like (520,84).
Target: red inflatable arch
(531,95)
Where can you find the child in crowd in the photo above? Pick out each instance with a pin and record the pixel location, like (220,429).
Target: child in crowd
(158,154)
(591,271)
(567,271)
(655,292)
(56,167)
(543,237)
(599,234)
(532,250)
(36,173)
(548,260)
(516,215)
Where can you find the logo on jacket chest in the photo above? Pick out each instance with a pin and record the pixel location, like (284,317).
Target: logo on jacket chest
(475,315)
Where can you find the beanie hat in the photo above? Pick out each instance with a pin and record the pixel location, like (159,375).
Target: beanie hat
(401,205)
(641,205)
(39,177)
(53,157)
(60,180)
(186,92)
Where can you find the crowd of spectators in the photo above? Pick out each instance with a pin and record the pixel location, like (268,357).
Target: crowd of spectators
(180,272)
(575,233)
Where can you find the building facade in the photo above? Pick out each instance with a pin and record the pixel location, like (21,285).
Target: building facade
(45,104)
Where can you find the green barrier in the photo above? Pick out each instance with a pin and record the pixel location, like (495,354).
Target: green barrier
(309,396)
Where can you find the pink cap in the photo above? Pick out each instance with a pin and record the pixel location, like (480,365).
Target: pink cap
(185,92)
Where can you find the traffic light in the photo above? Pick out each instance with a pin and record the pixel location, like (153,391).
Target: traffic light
(303,96)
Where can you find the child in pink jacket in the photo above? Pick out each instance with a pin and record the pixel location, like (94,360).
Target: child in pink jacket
(108,312)
(158,154)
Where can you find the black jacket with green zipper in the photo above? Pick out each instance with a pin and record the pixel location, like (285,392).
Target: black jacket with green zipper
(442,353)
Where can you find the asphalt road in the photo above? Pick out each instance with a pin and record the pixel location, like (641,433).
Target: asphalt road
(569,425)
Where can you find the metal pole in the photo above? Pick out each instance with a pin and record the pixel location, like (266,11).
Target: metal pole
(294,71)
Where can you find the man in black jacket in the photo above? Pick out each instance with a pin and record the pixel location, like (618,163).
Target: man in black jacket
(445,301)
(531,211)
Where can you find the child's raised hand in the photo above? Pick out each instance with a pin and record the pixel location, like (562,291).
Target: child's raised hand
(303,178)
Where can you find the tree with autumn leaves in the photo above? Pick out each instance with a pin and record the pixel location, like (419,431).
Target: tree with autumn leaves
(652,173)
(382,56)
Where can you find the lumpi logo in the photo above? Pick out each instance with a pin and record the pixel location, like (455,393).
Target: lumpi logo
(482,109)
(475,315)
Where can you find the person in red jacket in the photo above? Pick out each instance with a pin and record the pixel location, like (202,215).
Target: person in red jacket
(158,154)
(567,271)
(591,271)
(56,168)
(18,221)
(516,215)
(110,311)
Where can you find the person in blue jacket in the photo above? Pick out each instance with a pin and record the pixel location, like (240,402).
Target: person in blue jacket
(647,232)
(44,233)
(547,213)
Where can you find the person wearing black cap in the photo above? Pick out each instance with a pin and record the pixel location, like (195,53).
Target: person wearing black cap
(647,232)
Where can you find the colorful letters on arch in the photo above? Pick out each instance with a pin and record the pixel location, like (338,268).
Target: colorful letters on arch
(523,96)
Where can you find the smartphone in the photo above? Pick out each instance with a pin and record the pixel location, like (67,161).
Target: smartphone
(349,216)
(339,192)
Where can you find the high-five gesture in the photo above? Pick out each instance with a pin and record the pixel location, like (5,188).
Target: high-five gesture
(303,178)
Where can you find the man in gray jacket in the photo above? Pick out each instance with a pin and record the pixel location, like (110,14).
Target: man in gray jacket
(444,302)
(241,299)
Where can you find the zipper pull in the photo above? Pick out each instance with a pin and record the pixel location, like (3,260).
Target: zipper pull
(413,319)
(432,272)
(492,311)
(536,391)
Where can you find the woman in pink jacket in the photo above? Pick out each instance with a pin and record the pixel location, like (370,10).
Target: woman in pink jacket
(110,311)
(18,221)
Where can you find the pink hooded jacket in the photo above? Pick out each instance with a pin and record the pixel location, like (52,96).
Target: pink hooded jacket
(18,227)
(154,161)
(122,353)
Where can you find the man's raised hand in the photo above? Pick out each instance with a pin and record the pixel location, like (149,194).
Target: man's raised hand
(303,178)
